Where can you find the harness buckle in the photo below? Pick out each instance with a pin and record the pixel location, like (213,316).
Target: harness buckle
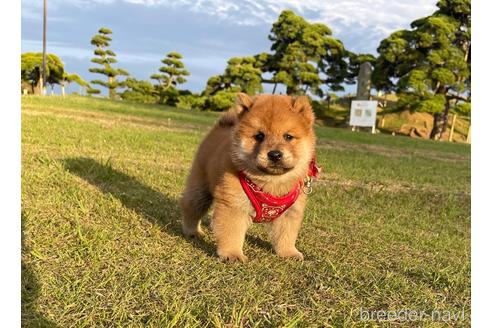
(307,187)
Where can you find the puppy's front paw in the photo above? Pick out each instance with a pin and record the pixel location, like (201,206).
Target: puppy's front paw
(291,253)
(232,256)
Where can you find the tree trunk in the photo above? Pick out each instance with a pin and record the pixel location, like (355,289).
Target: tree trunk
(169,83)
(274,88)
(111,89)
(445,118)
(62,87)
(161,93)
(38,90)
(440,123)
(437,127)
(165,87)
(438,86)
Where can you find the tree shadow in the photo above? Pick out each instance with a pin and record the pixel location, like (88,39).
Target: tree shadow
(155,206)
(30,290)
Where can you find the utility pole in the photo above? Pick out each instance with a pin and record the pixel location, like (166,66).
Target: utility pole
(43,83)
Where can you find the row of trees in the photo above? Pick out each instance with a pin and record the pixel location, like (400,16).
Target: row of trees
(170,75)
(428,66)
(305,58)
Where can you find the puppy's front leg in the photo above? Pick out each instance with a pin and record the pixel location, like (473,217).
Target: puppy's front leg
(229,226)
(286,228)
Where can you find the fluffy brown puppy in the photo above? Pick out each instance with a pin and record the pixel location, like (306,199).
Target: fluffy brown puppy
(270,138)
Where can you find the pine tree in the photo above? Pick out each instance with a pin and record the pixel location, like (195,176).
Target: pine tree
(172,73)
(70,78)
(305,56)
(241,74)
(105,57)
(429,65)
(31,64)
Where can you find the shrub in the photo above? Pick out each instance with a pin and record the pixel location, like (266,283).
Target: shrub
(221,101)
(140,91)
(191,101)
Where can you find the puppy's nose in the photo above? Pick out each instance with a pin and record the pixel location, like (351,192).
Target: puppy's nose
(274,155)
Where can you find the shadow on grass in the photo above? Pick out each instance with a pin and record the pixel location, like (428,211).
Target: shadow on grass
(156,207)
(30,290)
(258,242)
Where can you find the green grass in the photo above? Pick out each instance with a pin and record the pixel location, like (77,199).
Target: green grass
(388,227)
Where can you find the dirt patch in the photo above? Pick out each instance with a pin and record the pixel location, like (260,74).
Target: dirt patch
(114,120)
(335,180)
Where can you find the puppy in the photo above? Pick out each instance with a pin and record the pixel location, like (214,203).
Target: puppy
(263,146)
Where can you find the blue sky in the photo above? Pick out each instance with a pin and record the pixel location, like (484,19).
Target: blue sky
(206,32)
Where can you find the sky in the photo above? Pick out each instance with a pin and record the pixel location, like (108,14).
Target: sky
(206,32)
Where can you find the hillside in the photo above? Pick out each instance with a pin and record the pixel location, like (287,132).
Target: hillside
(391,120)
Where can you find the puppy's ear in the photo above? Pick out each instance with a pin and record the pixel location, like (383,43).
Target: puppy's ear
(301,105)
(243,103)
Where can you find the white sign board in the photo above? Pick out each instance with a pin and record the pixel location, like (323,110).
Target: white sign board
(363,113)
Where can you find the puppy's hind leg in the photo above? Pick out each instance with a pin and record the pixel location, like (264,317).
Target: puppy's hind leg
(195,202)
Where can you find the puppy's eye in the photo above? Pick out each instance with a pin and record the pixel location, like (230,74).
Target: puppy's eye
(288,137)
(259,136)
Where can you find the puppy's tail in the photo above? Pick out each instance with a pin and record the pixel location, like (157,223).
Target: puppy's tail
(228,119)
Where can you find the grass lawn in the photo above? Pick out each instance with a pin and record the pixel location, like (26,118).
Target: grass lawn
(387,228)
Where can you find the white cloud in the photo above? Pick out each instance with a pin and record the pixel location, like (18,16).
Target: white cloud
(360,24)
(254,12)
(381,13)
(365,20)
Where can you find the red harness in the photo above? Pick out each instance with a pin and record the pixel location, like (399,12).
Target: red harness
(269,207)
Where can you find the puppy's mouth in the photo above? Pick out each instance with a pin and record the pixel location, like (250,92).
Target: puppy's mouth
(274,169)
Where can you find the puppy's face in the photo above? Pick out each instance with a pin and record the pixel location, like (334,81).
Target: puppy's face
(274,134)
